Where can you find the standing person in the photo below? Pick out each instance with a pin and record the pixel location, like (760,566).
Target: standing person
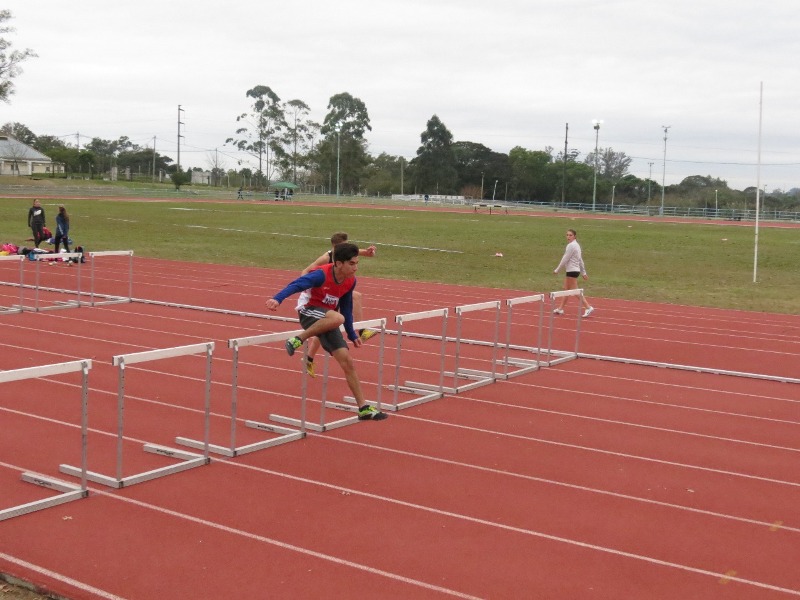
(62,228)
(572,263)
(239,195)
(358,312)
(36,222)
(325,304)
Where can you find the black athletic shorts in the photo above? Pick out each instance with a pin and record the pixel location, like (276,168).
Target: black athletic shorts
(330,340)
(573,274)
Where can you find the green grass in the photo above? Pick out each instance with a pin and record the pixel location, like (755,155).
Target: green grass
(693,264)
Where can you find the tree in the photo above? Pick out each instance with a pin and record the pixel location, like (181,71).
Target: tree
(180,178)
(532,177)
(10,60)
(475,163)
(435,163)
(300,134)
(266,120)
(342,154)
(383,175)
(348,115)
(611,166)
(20,133)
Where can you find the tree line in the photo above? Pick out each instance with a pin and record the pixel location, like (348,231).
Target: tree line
(284,143)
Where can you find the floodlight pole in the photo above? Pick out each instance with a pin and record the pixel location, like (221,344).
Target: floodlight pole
(596,150)
(664,172)
(338,153)
(180,110)
(494,191)
(564,169)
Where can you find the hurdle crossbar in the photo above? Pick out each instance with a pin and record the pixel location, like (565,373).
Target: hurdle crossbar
(190,460)
(68,491)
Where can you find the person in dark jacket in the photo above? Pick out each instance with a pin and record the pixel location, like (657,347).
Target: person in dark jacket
(62,228)
(36,222)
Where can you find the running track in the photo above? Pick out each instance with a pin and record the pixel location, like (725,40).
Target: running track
(589,479)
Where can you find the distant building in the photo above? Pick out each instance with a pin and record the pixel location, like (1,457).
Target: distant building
(201,177)
(17,158)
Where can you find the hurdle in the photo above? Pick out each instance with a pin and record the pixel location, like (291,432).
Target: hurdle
(69,492)
(110,299)
(190,460)
(479,378)
(38,259)
(284,434)
(425,392)
(349,403)
(523,365)
(563,356)
(11,258)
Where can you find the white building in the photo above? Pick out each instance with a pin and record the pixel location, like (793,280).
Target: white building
(17,158)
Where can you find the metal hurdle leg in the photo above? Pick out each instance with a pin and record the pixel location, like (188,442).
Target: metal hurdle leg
(19,259)
(480,378)
(284,434)
(190,460)
(525,365)
(69,492)
(564,356)
(428,392)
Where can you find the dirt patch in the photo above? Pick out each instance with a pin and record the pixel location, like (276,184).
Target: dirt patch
(9,591)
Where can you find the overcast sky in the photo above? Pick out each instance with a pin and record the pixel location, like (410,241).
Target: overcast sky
(503,73)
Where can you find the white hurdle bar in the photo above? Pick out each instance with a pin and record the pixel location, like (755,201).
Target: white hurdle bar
(480,378)
(69,492)
(284,434)
(39,258)
(190,460)
(564,355)
(111,299)
(19,258)
(524,365)
(428,392)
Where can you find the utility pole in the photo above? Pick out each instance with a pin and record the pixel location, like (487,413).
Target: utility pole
(664,173)
(154,158)
(564,170)
(180,110)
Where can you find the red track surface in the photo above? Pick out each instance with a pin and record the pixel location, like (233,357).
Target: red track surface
(588,479)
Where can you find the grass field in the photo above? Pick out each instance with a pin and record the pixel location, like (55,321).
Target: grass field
(695,264)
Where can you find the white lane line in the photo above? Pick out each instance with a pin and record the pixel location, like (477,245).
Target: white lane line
(85,587)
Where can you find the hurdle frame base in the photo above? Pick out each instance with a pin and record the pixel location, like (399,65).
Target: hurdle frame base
(285,435)
(68,493)
(190,461)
